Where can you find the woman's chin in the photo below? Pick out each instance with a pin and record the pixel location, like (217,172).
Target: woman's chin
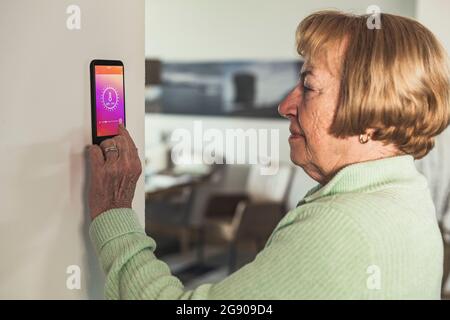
(296,156)
(297,144)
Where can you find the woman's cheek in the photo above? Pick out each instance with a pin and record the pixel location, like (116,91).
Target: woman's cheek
(302,116)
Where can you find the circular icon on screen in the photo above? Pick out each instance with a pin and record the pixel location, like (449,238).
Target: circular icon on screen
(110,98)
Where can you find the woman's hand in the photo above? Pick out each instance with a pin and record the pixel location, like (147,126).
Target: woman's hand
(115,169)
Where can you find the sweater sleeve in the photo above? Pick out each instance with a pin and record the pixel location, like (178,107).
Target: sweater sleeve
(314,253)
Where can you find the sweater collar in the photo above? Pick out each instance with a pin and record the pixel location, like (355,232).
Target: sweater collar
(366,176)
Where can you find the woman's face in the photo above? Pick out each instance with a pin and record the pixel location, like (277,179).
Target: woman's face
(310,107)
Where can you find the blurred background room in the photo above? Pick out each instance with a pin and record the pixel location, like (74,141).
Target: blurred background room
(213,66)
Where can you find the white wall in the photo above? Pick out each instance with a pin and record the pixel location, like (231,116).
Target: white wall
(45,124)
(434,14)
(203,30)
(238,29)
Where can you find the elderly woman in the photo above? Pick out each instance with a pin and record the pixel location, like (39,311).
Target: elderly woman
(369,102)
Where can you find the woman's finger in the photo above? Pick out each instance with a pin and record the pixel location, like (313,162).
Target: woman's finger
(96,156)
(124,132)
(110,150)
(125,154)
(121,143)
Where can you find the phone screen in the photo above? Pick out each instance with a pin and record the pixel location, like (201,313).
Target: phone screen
(109,99)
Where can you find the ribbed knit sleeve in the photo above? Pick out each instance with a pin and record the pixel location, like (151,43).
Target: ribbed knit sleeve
(316,252)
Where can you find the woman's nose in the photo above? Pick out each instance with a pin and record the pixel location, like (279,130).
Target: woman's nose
(288,107)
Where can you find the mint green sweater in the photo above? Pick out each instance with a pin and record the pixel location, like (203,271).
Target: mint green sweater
(369,233)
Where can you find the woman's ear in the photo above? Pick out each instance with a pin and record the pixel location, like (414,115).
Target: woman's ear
(367,135)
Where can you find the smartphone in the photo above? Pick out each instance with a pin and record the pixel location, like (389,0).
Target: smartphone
(107,98)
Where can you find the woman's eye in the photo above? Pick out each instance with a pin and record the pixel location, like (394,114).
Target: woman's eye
(304,87)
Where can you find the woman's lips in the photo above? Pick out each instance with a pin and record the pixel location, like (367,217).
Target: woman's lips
(296,135)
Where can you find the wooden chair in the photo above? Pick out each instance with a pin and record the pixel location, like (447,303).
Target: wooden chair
(248,216)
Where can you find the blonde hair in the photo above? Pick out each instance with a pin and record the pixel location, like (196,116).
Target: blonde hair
(394,79)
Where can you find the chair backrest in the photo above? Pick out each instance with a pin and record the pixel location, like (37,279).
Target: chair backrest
(269,187)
